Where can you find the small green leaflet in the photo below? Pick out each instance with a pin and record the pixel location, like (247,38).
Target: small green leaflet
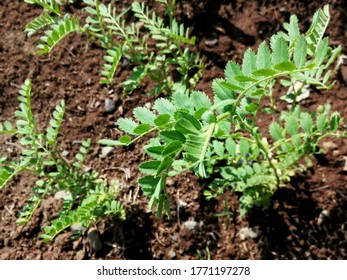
(127,125)
(164,165)
(264,72)
(155,151)
(276,131)
(209,117)
(321,123)
(144,115)
(149,167)
(172,148)
(218,148)
(142,129)
(187,123)
(244,147)
(321,52)
(221,90)
(335,121)
(280,50)
(230,145)
(285,66)
(162,120)
(300,52)
(169,135)
(292,27)
(263,59)
(306,122)
(164,106)
(200,100)
(292,126)
(232,69)
(249,63)
(181,100)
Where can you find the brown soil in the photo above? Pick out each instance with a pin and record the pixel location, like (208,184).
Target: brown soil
(288,228)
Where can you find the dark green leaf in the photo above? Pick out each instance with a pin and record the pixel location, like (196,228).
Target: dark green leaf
(149,167)
(335,121)
(155,151)
(142,128)
(165,164)
(162,120)
(168,135)
(172,148)
(253,107)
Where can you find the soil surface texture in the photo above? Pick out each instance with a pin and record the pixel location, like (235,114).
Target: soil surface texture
(307,219)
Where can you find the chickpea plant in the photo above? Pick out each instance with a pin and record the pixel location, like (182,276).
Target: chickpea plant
(87,198)
(221,139)
(155,55)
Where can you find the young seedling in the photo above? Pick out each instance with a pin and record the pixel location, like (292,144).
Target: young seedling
(154,50)
(222,137)
(87,198)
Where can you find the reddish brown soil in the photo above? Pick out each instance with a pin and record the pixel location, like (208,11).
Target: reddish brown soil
(289,228)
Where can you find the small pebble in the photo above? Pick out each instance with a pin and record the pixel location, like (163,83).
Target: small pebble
(323,217)
(77,227)
(110,106)
(80,255)
(329,146)
(345,164)
(192,225)
(174,238)
(106,151)
(343,70)
(181,203)
(64,153)
(94,239)
(172,254)
(211,42)
(97,104)
(62,195)
(247,232)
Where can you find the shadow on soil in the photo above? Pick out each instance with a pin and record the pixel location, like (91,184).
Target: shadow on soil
(294,227)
